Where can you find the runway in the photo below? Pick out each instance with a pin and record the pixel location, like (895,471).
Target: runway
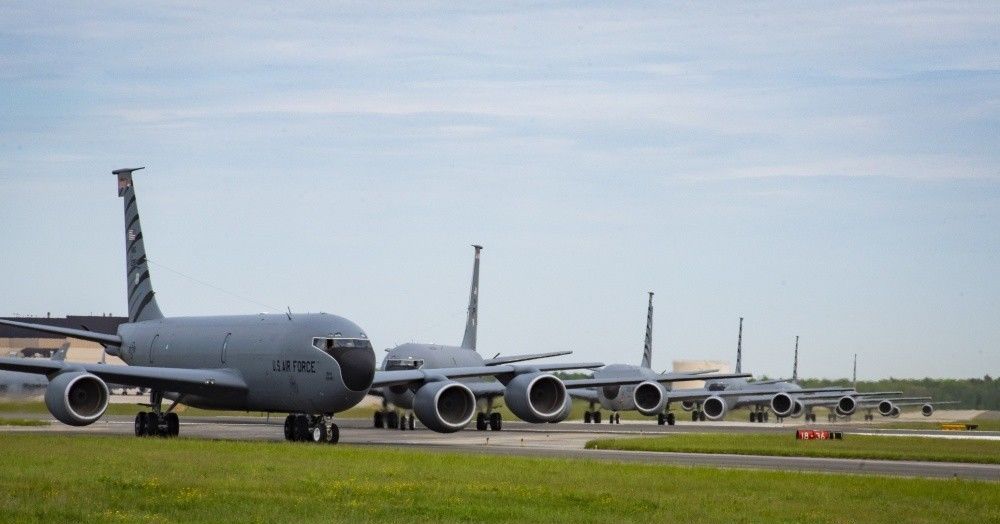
(565,440)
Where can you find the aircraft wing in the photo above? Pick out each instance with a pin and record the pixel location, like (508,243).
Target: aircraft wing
(82,334)
(179,380)
(624,381)
(410,376)
(521,358)
(486,389)
(585,394)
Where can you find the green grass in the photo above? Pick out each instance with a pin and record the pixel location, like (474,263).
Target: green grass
(853,446)
(120,479)
(22,422)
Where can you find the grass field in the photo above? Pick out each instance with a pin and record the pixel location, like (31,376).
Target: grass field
(853,446)
(90,479)
(984,425)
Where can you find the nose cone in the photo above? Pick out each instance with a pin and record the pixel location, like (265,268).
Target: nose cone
(357,367)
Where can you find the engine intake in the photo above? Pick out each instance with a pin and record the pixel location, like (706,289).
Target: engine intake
(782,404)
(536,397)
(445,407)
(885,408)
(77,398)
(798,409)
(715,408)
(688,405)
(650,398)
(927,410)
(847,405)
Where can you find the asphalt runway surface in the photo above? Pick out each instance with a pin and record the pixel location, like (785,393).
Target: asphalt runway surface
(565,440)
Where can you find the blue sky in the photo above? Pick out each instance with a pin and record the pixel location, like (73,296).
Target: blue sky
(830,173)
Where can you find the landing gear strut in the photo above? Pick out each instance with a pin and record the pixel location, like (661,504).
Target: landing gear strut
(489,418)
(311,428)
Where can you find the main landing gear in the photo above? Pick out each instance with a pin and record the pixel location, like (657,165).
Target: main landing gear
(156,423)
(489,418)
(390,419)
(666,418)
(311,428)
(697,415)
(595,417)
(759,415)
(810,417)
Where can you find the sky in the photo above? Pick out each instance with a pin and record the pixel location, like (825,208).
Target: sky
(829,173)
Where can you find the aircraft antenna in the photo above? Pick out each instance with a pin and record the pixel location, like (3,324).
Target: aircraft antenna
(739,348)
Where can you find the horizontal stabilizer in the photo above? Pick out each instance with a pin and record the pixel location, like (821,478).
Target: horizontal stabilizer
(100,338)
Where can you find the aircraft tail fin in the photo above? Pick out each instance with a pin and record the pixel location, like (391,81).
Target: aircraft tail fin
(472,320)
(141,299)
(739,349)
(647,348)
(59,355)
(795,362)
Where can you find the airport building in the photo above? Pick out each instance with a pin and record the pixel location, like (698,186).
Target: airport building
(18,342)
(681,366)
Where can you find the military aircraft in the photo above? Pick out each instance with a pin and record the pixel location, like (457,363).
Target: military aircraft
(311,366)
(14,384)
(638,388)
(415,355)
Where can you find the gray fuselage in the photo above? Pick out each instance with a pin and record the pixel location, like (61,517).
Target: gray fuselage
(274,354)
(426,356)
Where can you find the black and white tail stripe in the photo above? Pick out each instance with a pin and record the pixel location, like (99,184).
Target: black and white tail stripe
(141,298)
(647,349)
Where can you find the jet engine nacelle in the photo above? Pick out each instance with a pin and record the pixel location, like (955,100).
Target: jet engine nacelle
(927,410)
(885,408)
(688,405)
(444,406)
(846,405)
(564,413)
(77,398)
(782,404)
(536,397)
(798,409)
(650,398)
(715,407)
(895,412)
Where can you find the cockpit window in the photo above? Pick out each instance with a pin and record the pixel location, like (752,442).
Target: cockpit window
(403,363)
(332,345)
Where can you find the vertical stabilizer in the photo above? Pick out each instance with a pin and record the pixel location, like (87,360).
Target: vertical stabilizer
(647,349)
(854,376)
(795,362)
(472,321)
(739,349)
(141,299)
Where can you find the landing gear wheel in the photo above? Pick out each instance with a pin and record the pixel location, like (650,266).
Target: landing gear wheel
(481,422)
(766,416)
(671,419)
(660,419)
(334,436)
(586,417)
(140,424)
(618,418)
(496,421)
(694,416)
(319,432)
(701,416)
(173,424)
(412,422)
(753,417)
(153,425)
(379,421)
(597,417)
(290,428)
(402,423)
(392,420)
(301,432)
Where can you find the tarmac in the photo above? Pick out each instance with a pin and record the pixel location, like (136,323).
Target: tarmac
(566,441)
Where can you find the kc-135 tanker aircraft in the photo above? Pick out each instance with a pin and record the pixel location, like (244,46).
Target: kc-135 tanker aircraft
(551,403)
(309,365)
